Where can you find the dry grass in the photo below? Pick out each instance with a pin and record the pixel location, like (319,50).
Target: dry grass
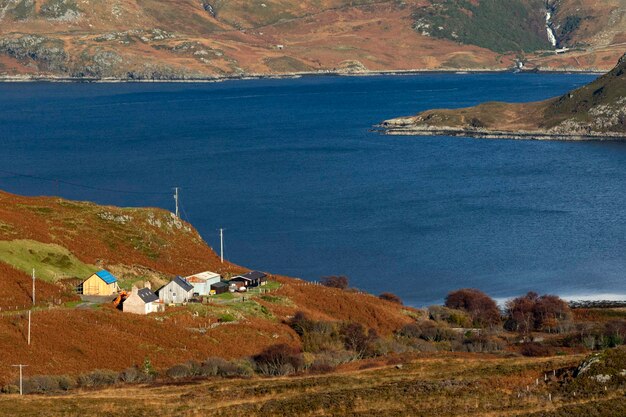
(430,386)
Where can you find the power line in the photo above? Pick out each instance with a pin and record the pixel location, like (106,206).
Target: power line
(21,384)
(74,184)
(176,200)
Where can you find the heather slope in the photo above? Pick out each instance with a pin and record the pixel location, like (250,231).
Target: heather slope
(594,111)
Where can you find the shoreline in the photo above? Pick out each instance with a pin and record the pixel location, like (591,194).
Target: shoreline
(497,134)
(308,74)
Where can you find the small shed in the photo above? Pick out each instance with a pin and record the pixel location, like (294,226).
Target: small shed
(141,301)
(220,287)
(203,281)
(100,283)
(177,291)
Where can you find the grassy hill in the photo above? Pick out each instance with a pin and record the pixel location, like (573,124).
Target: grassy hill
(190,39)
(594,111)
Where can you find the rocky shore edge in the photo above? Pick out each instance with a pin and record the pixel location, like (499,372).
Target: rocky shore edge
(399,128)
(191,78)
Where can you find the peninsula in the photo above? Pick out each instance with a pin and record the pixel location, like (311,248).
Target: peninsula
(595,111)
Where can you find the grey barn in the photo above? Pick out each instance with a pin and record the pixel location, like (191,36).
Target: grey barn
(178,291)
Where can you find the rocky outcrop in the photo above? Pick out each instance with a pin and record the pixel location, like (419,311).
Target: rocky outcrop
(48,54)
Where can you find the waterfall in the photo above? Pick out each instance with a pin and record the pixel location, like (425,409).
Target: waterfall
(551,36)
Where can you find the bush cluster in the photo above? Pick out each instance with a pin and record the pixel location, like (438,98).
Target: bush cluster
(321,337)
(533,312)
(340,282)
(210,367)
(482,309)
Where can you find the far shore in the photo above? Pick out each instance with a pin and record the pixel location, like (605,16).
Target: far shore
(460,71)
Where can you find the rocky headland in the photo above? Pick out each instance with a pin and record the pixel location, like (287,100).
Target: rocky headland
(596,111)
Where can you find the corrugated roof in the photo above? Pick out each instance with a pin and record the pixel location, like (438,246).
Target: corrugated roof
(254,275)
(182,282)
(146,295)
(241,277)
(206,275)
(106,276)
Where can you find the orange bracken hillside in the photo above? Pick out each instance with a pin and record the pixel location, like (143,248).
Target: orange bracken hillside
(105,235)
(73,340)
(16,290)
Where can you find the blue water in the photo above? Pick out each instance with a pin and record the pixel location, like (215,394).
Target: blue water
(292,172)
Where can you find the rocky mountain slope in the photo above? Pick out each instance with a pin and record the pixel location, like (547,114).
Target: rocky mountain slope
(594,111)
(199,39)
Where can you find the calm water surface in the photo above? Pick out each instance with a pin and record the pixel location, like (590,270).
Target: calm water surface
(303,188)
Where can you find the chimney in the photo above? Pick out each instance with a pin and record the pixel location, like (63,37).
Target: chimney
(147,285)
(135,290)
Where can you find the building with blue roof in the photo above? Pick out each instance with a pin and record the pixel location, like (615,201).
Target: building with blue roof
(100,283)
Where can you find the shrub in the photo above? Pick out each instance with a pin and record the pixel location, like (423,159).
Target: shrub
(316,336)
(179,371)
(428,330)
(226,318)
(40,384)
(321,367)
(215,366)
(11,389)
(482,309)
(130,375)
(457,318)
(333,358)
(340,282)
(478,342)
(212,366)
(67,382)
(279,360)
(390,297)
(97,378)
(359,340)
(534,349)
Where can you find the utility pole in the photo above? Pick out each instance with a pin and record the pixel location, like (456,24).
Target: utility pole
(33,286)
(21,379)
(222,244)
(176,200)
(29,327)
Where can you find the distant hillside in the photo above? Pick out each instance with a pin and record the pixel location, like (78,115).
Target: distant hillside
(595,111)
(199,39)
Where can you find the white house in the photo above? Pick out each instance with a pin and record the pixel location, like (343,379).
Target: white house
(141,301)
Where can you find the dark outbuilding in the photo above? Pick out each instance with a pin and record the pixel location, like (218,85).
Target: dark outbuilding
(220,287)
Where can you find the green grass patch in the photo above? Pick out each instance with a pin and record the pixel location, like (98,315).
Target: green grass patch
(272,285)
(51,262)
(226,318)
(224,296)
(502,26)
(73,304)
